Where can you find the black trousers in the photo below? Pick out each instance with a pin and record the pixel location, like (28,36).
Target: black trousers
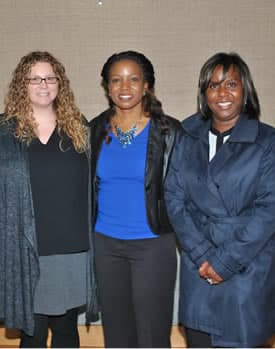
(63,327)
(197,339)
(136,280)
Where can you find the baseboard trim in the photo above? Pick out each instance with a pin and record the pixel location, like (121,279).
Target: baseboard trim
(90,337)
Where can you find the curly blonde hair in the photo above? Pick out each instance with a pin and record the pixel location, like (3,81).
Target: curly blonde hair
(18,107)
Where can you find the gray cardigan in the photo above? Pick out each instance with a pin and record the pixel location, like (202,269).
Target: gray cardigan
(19,260)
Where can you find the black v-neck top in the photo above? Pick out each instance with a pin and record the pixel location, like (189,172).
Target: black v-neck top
(59,181)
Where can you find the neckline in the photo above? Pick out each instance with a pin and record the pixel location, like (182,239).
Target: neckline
(136,136)
(51,136)
(221,134)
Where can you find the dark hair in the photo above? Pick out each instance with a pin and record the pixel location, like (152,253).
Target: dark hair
(251,104)
(151,105)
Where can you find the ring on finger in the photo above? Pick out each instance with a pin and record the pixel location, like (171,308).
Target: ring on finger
(210,281)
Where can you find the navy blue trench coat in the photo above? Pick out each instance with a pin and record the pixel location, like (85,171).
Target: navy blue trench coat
(223,211)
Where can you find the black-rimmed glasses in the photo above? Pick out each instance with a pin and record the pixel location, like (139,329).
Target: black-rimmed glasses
(48,80)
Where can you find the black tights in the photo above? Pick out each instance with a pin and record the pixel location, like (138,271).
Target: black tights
(197,339)
(63,327)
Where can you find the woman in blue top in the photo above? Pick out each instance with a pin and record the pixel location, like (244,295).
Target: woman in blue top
(135,245)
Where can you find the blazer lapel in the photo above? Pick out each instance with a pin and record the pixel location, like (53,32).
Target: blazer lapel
(154,148)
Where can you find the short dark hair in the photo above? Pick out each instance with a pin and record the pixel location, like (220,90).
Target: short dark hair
(251,104)
(151,104)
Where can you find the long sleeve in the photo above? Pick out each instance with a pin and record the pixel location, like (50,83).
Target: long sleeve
(192,239)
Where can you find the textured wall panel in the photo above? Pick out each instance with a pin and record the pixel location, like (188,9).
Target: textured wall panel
(178,36)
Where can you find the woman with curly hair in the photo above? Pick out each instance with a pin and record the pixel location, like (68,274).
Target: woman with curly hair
(135,250)
(46,264)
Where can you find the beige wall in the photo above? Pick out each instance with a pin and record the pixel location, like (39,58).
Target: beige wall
(178,36)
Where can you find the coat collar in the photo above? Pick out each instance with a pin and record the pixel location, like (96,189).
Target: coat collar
(245,131)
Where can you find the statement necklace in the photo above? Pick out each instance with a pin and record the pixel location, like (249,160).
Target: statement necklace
(126,138)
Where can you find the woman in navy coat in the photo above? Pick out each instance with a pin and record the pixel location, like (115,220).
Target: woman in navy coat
(220,195)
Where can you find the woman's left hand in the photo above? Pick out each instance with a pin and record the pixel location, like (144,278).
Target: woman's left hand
(208,273)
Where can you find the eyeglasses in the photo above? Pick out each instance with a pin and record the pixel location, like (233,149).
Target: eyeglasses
(48,80)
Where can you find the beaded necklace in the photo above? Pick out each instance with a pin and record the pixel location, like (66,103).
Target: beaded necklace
(126,138)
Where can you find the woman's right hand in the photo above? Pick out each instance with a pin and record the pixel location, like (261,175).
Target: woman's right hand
(208,273)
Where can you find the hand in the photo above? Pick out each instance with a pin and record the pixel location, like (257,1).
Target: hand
(209,274)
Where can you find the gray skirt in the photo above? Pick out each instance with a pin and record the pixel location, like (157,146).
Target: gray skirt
(62,284)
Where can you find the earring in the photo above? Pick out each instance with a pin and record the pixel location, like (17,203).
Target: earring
(200,104)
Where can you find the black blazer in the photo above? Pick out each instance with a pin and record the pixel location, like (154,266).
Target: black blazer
(159,149)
